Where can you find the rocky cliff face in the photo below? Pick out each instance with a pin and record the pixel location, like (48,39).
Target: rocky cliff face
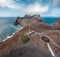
(57,24)
(34,20)
(27,19)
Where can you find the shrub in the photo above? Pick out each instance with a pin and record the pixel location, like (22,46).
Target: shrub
(25,39)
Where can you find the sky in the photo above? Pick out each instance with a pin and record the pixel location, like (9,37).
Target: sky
(14,8)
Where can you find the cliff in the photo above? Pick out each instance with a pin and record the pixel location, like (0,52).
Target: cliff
(37,45)
(34,21)
(57,24)
(27,19)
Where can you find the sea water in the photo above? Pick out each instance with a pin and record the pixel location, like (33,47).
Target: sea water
(50,20)
(7,27)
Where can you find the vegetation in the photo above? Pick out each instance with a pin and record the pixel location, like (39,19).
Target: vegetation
(25,39)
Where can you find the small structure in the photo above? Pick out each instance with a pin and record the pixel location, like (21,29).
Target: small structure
(47,41)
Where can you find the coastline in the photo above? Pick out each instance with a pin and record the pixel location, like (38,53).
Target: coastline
(12,34)
(13,44)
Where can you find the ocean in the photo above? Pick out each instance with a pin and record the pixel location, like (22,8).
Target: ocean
(50,20)
(7,27)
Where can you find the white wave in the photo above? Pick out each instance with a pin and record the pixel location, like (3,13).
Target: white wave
(8,37)
(12,35)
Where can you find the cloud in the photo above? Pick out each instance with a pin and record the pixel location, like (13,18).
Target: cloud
(54,13)
(55,2)
(31,8)
(8,3)
(34,8)
(37,8)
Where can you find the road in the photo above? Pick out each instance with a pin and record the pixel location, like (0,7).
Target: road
(48,45)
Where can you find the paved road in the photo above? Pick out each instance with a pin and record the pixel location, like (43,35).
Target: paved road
(44,34)
(48,45)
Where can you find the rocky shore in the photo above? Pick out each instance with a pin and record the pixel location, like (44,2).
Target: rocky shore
(35,47)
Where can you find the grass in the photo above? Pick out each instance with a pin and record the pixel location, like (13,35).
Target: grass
(25,39)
